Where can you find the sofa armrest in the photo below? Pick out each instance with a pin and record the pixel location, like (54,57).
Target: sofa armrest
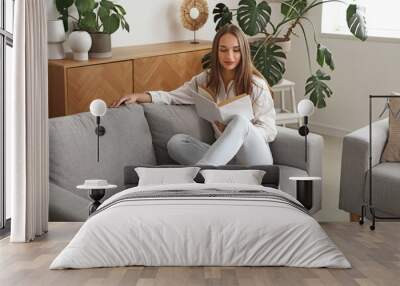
(288,149)
(355,156)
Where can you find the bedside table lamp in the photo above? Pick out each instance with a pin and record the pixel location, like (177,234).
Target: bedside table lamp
(304,185)
(305,109)
(98,108)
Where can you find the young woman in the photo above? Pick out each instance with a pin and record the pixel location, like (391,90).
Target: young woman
(231,73)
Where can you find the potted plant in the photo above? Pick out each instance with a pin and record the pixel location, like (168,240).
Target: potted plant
(100,18)
(268,56)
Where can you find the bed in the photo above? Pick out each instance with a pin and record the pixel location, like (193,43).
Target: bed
(201,224)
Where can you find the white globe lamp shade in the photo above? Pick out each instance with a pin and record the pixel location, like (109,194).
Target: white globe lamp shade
(98,107)
(305,107)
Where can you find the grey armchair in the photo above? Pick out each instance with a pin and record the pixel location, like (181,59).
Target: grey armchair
(354,185)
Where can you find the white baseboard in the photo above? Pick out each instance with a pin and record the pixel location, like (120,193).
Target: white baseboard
(329,130)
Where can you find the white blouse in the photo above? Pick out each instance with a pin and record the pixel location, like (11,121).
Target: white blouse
(263,105)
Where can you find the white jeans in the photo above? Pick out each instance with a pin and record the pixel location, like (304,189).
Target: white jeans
(239,140)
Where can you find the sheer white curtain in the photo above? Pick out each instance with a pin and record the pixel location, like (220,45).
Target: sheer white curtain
(27,124)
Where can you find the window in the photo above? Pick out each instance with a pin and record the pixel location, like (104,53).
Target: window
(6,61)
(381,17)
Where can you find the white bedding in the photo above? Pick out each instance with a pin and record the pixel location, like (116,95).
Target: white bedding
(200,231)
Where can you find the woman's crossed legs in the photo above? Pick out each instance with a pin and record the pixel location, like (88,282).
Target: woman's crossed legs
(239,139)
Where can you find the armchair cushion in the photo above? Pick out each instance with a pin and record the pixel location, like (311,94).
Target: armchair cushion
(391,153)
(386,187)
(355,163)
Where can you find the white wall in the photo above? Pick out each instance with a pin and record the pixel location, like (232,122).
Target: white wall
(155,21)
(362,68)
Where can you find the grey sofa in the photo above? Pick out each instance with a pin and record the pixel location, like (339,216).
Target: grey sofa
(137,135)
(354,185)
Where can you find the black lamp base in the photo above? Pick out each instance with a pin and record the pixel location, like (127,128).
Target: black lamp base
(100,130)
(304,193)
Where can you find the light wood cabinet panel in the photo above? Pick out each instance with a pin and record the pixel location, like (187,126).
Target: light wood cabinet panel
(166,66)
(166,72)
(106,81)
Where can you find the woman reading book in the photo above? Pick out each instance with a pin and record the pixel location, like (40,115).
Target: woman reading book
(232,73)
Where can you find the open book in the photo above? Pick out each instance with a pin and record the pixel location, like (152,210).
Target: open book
(223,111)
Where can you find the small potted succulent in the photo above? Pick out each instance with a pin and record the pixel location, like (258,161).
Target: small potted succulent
(100,18)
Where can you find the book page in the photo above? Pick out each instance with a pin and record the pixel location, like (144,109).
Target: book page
(239,106)
(229,100)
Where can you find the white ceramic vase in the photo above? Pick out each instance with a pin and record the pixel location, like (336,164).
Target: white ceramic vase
(55,39)
(80,43)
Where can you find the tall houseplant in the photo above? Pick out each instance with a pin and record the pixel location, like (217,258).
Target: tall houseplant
(268,57)
(100,18)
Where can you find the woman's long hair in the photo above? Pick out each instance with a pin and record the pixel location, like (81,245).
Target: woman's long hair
(245,69)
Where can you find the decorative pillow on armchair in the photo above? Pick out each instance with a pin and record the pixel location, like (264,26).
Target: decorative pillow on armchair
(391,152)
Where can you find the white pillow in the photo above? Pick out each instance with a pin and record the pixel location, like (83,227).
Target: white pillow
(163,176)
(248,177)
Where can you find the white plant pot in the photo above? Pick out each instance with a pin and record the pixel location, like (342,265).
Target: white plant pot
(80,43)
(55,39)
(55,51)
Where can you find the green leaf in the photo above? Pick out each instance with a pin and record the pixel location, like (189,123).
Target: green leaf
(356,22)
(127,26)
(206,61)
(88,22)
(222,15)
(103,12)
(293,8)
(318,89)
(110,24)
(252,17)
(121,9)
(324,55)
(269,60)
(107,4)
(64,17)
(85,6)
(61,5)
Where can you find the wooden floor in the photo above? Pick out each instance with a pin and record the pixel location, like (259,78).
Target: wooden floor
(375,257)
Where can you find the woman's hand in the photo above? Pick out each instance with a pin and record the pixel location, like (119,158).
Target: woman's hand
(130,98)
(220,126)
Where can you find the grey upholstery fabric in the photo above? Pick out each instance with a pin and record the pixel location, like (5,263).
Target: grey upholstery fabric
(168,120)
(128,141)
(73,151)
(270,179)
(290,186)
(386,187)
(355,164)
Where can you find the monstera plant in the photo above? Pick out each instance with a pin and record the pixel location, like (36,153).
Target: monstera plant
(93,16)
(268,57)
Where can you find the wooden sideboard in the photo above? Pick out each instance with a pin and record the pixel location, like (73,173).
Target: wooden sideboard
(166,66)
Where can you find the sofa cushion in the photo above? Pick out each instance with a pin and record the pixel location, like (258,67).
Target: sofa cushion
(391,152)
(73,147)
(386,186)
(168,120)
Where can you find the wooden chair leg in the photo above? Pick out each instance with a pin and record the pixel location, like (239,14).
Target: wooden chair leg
(354,217)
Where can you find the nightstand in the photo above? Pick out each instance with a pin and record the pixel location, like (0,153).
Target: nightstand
(97,190)
(304,190)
